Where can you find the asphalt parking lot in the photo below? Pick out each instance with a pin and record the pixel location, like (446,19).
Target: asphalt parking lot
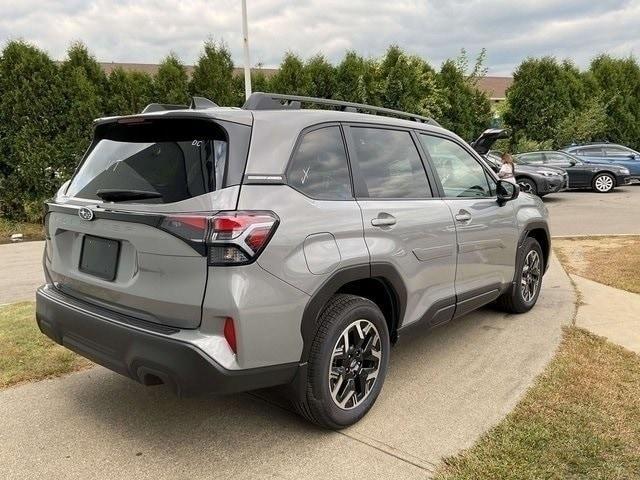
(582,212)
(444,389)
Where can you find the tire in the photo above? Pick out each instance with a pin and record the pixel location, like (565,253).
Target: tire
(603,183)
(529,184)
(519,298)
(341,314)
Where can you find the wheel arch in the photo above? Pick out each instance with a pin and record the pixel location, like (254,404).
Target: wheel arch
(540,232)
(379,282)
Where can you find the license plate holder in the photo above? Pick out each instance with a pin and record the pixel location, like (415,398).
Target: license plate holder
(99,257)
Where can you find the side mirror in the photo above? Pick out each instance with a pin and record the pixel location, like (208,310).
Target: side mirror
(573,162)
(506,191)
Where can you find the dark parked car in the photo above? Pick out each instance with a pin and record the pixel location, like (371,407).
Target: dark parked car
(537,180)
(608,153)
(601,177)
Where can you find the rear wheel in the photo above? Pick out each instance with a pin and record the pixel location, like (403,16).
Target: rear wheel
(523,295)
(347,363)
(528,185)
(603,183)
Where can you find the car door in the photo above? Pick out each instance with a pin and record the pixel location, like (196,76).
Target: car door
(406,228)
(578,175)
(623,156)
(486,230)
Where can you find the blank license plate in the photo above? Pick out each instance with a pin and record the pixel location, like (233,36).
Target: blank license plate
(99,257)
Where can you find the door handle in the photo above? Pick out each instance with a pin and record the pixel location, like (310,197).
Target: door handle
(463,216)
(383,220)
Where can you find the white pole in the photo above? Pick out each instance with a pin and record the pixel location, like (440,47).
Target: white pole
(247,64)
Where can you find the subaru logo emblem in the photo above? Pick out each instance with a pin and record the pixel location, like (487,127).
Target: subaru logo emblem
(85,213)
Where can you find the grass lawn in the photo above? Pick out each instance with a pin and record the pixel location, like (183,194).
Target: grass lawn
(31,231)
(581,419)
(25,353)
(613,261)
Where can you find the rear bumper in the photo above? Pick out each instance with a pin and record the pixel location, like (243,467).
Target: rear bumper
(146,356)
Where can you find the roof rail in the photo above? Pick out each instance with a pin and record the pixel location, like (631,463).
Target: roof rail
(197,103)
(277,101)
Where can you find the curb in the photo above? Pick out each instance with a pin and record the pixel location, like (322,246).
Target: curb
(597,235)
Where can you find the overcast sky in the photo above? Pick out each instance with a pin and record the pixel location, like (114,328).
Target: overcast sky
(145,30)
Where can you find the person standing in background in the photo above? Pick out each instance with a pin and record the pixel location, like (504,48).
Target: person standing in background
(507,170)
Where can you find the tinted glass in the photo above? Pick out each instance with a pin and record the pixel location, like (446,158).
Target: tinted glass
(389,163)
(617,152)
(530,158)
(460,174)
(319,167)
(177,170)
(558,159)
(593,151)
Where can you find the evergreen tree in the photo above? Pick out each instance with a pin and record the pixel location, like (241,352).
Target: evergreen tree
(32,109)
(357,80)
(321,77)
(129,92)
(291,77)
(544,93)
(171,84)
(213,75)
(618,81)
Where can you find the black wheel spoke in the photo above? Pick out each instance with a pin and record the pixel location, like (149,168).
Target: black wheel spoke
(355,364)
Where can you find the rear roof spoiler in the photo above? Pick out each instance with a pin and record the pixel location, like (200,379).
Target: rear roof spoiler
(197,103)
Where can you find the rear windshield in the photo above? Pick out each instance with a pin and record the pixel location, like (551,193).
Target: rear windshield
(176,159)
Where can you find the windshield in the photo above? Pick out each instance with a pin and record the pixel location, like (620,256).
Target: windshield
(175,168)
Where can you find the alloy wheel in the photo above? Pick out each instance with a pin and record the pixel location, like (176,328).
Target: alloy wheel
(355,364)
(530,280)
(604,183)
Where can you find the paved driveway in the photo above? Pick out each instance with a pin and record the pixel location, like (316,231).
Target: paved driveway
(444,389)
(20,271)
(590,213)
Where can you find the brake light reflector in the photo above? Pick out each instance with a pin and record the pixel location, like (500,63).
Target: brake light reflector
(230,334)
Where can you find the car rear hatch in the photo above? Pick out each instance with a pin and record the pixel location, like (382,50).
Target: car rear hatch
(485,141)
(129,231)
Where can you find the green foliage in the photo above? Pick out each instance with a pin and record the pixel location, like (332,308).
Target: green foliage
(466,110)
(291,77)
(321,77)
(586,124)
(213,75)
(618,80)
(129,92)
(31,106)
(171,84)
(357,79)
(543,93)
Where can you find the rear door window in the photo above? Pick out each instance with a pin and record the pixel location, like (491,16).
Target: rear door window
(389,164)
(176,163)
(319,167)
(590,151)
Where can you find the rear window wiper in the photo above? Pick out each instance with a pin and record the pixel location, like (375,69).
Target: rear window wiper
(116,195)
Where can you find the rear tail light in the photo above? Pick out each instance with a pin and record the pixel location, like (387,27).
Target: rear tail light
(231,238)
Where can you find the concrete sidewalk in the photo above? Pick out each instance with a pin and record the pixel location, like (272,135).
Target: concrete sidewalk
(444,389)
(20,271)
(609,312)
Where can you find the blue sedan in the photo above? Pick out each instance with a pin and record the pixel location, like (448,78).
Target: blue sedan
(608,153)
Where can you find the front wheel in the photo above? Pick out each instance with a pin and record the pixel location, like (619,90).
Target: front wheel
(523,294)
(528,185)
(347,362)
(603,183)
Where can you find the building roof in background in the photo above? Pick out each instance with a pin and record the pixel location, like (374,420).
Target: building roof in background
(494,87)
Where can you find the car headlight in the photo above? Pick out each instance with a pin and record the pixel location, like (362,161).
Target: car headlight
(548,173)
(625,171)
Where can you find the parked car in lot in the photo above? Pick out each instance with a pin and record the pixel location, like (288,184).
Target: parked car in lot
(608,153)
(218,250)
(538,181)
(601,177)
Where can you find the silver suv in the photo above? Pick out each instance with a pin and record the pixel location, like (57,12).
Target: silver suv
(219,250)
